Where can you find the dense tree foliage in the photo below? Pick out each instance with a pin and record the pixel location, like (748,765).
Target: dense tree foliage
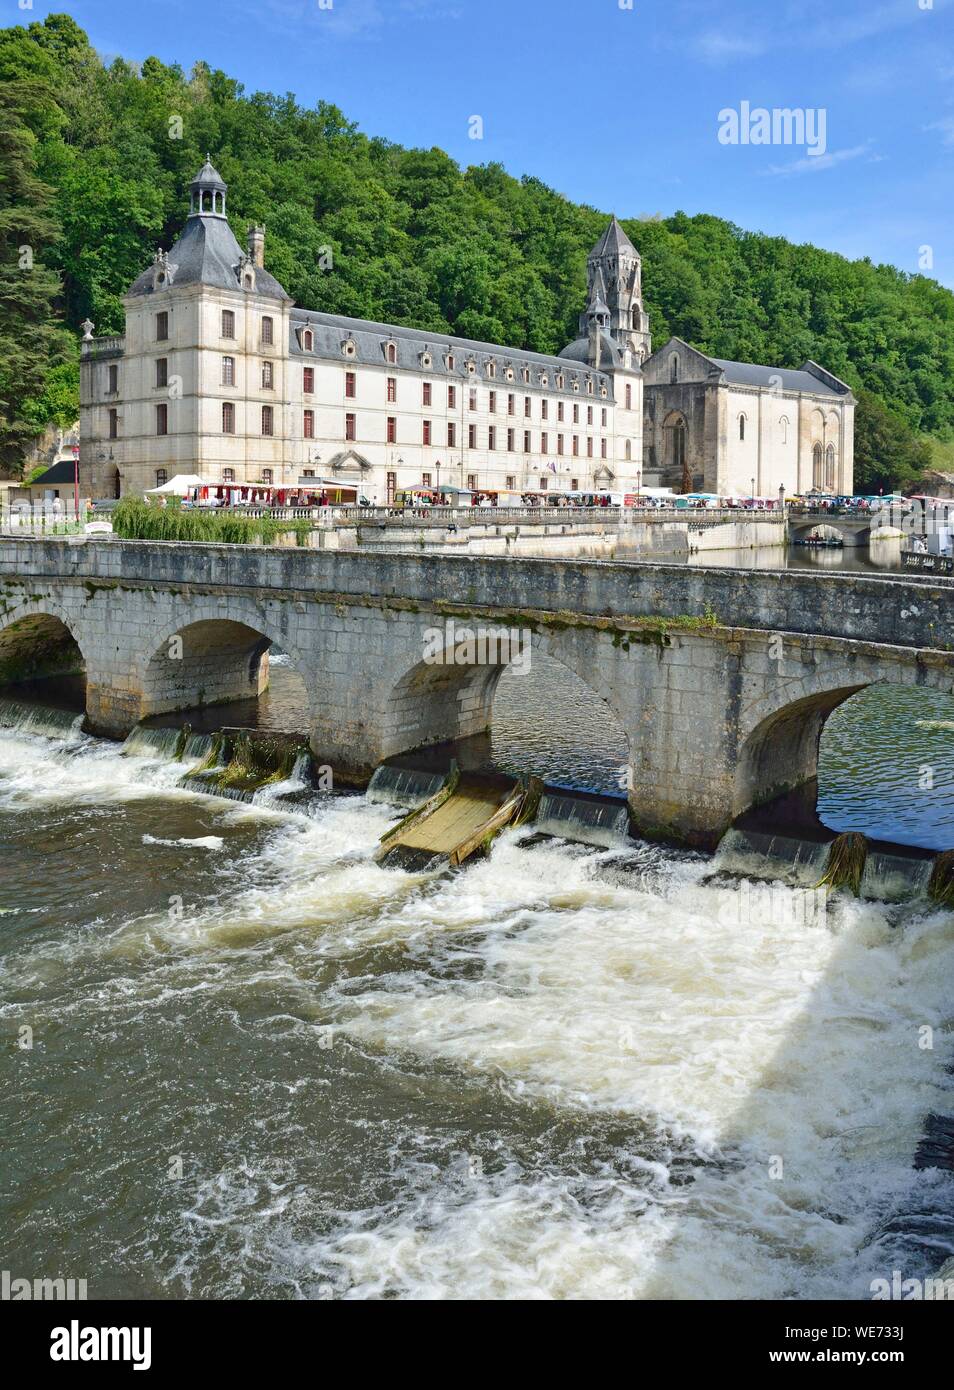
(360,226)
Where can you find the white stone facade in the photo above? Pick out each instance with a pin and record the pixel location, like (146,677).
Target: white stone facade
(220,375)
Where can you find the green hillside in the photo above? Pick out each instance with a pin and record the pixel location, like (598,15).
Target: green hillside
(99,159)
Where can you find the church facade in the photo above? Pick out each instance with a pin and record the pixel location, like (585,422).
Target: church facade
(219,374)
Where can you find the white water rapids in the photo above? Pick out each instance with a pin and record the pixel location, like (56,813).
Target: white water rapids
(563,1072)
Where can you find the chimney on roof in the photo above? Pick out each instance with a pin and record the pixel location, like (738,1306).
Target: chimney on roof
(256,246)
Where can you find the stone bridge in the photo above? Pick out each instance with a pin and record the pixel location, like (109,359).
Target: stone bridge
(720,679)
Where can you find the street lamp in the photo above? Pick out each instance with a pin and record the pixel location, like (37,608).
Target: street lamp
(639,484)
(437,467)
(753,494)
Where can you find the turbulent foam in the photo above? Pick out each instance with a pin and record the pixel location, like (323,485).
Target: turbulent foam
(653,1020)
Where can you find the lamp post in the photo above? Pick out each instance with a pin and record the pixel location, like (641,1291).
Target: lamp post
(753,494)
(437,467)
(639,485)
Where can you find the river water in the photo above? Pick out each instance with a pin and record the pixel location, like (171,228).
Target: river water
(259,1065)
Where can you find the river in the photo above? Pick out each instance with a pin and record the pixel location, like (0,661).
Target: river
(259,1065)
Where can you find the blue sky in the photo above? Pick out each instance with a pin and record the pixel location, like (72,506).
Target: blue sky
(615,106)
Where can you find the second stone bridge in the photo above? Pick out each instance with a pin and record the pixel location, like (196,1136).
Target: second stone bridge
(720,679)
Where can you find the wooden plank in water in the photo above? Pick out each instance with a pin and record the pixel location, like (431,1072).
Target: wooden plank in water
(457,820)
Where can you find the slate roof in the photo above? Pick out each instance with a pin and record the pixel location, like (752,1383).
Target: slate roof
(370,339)
(579,351)
(63,471)
(749,374)
(612,242)
(207,253)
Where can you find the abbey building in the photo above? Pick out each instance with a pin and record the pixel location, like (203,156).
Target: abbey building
(220,375)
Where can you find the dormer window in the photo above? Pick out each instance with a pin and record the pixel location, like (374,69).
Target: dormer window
(491,369)
(450,361)
(589,387)
(349,347)
(526,376)
(576,386)
(544,379)
(308,340)
(510,373)
(471,367)
(559,381)
(426,359)
(390,352)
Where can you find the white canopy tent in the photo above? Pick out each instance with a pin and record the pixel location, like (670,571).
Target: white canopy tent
(179,486)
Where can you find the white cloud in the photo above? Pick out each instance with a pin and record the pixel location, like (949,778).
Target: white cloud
(726,48)
(813,164)
(946,127)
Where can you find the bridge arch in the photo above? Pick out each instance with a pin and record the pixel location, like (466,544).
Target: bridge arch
(39,641)
(210,661)
(449,693)
(779,750)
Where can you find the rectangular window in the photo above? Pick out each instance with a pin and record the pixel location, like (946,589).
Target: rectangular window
(472,436)
(425,432)
(308,381)
(603,448)
(604,416)
(629,396)
(450,361)
(392,388)
(351,426)
(451,397)
(112,379)
(268,376)
(511,404)
(589,448)
(561,413)
(511,441)
(425,480)
(228,371)
(574,484)
(425,393)
(268,419)
(114,424)
(162,477)
(228,417)
(268,332)
(391,486)
(544,410)
(392,429)
(472,399)
(527,400)
(228,323)
(589,415)
(576,445)
(351,385)
(162,327)
(544,442)
(576,414)
(162,371)
(492,407)
(228,475)
(510,482)
(266,475)
(559,443)
(526,441)
(543,484)
(472,481)
(162,419)
(309,429)
(451,435)
(492,437)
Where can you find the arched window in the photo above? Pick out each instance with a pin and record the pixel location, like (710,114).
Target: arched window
(674,369)
(783,427)
(817,480)
(392,352)
(741,426)
(674,437)
(830,468)
(308,340)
